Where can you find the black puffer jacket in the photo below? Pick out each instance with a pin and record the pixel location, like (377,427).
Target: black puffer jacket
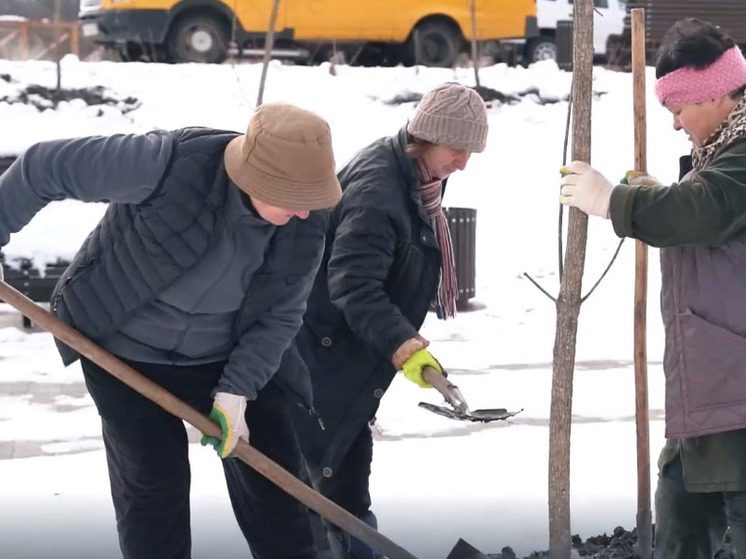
(379,274)
(168,198)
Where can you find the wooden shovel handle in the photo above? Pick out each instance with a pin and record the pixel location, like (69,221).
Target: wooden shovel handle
(438,381)
(448,390)
(245,452)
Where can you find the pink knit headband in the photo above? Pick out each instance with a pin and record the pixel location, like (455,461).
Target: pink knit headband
(689,85)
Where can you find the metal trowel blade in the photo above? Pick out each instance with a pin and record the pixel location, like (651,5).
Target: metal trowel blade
(483,415)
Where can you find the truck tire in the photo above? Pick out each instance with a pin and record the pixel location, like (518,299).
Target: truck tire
(434,43)
(542,47)
(198,38)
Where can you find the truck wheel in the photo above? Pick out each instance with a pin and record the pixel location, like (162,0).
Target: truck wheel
(434,43)
(198,39)
(541,48)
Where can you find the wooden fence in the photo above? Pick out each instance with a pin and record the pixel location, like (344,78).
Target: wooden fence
(23,39)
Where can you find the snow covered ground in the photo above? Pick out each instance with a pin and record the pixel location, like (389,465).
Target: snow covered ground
(434,479)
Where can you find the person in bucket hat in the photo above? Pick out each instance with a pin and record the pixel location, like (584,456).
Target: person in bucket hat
(197,276)
(388,257)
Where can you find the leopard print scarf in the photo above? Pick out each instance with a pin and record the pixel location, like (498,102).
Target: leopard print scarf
(731,129)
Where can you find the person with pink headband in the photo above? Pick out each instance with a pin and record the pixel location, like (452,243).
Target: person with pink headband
(700,225)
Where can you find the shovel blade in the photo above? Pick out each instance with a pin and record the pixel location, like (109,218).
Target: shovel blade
(483,416)
(464,550)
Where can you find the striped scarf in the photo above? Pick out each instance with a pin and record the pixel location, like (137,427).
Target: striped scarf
(430,191)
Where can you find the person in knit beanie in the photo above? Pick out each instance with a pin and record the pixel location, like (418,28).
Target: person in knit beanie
(451,115)
(388,260)
(700,224)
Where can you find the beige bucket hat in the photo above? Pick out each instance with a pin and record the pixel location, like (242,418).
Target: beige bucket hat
(285,159)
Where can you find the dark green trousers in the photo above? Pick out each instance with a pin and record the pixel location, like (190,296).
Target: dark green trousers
(692,525)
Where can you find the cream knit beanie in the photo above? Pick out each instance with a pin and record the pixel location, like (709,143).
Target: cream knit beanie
(451,115)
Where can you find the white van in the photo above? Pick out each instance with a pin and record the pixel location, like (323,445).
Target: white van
(608,20)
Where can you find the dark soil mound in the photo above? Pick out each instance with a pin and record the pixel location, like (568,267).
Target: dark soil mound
(44,98)
(619,545)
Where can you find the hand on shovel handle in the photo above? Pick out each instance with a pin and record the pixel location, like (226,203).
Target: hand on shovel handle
(450,391)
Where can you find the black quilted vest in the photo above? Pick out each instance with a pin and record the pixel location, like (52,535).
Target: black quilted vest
(137,250)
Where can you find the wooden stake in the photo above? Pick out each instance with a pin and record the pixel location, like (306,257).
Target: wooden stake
(23,39)
(644,521)
(268,45)
(568,302)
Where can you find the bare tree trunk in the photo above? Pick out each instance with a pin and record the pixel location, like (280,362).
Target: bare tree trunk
(268,44)
(57,53)
(568,302)
(642,416)
(474,44)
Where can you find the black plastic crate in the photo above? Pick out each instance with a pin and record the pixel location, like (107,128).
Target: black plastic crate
(27,279)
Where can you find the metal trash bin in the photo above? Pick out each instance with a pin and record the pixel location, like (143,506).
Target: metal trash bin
(462,223)
(563,40)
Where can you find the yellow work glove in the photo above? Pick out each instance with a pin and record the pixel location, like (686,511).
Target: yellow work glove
(586,189)
(228,411)
(638,178)
(413,367)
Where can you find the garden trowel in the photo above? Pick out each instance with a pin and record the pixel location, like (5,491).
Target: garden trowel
(459,409)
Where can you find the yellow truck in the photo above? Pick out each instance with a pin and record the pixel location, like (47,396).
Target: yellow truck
(430,32)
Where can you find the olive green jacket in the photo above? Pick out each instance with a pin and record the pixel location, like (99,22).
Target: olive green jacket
(711,463)
(700,224)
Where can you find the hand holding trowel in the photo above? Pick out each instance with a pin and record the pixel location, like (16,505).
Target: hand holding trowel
(459,408)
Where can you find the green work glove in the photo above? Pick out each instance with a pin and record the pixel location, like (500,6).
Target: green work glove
(638,178)
(413,367)
(228,411)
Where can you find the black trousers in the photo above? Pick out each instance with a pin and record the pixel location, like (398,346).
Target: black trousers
(692,525)
(349,488)
(147,455)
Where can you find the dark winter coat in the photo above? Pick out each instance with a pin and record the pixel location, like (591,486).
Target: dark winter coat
(163,216)
(374,288)
(701,225)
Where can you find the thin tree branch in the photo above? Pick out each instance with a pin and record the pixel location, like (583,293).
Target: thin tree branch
(560,224)
(608,267)
(268,45)
(539,287)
